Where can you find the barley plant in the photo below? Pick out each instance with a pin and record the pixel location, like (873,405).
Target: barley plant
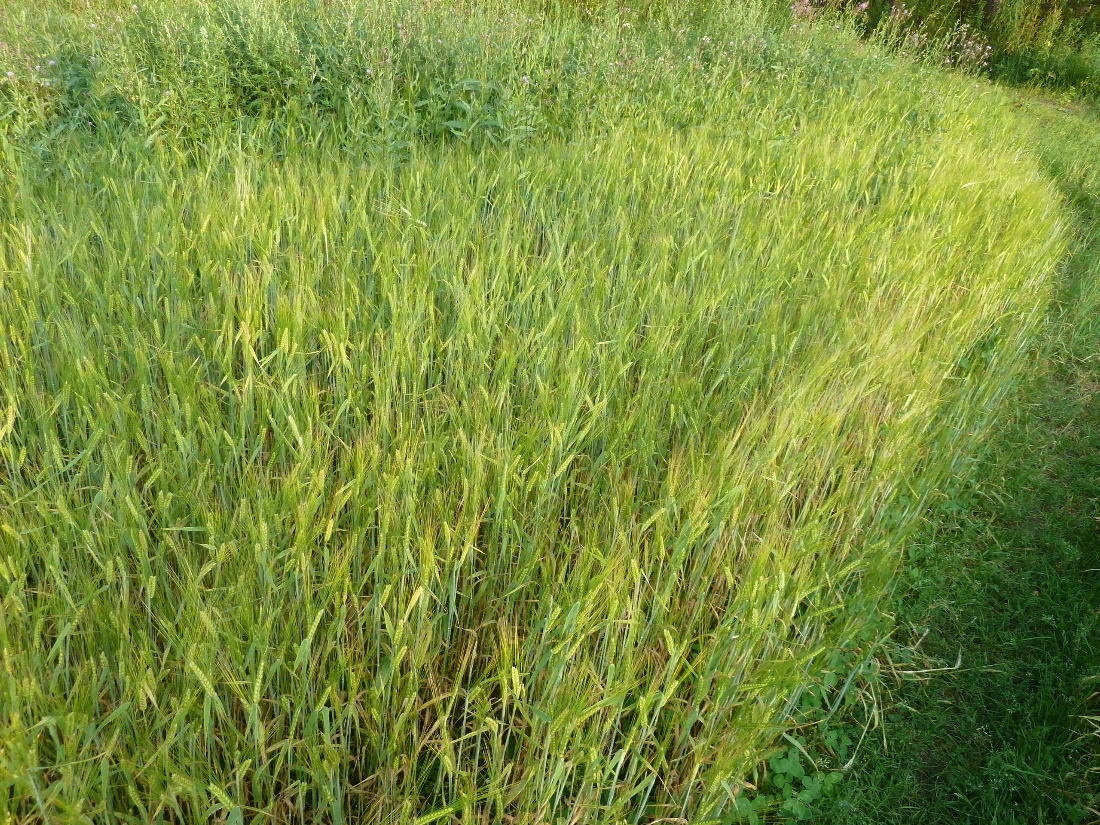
(420,412)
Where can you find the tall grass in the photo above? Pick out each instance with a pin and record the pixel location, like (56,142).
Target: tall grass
(507,433)
(1039,42)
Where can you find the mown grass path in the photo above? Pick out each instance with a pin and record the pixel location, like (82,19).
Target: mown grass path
(1008,583)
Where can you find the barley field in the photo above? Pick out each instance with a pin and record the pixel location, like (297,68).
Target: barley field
(472,413)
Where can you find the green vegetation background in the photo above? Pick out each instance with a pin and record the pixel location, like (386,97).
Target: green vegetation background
(261,723)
